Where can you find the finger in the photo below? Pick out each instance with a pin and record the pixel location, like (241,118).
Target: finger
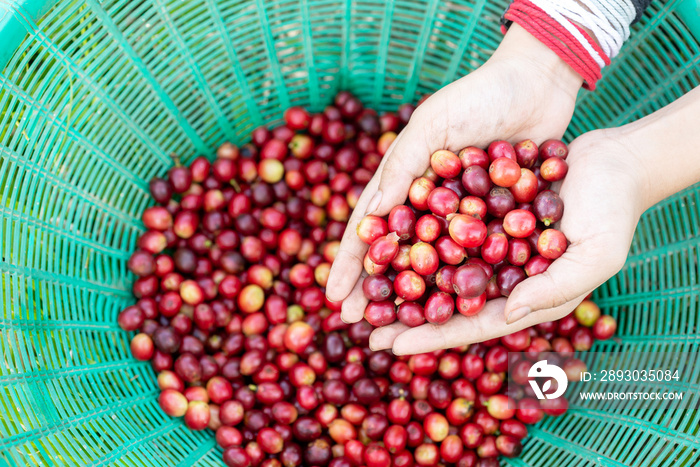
(383,337)
(459,330)
(406,160)
(348,263)
(489,323)
(574,274)
(353,308)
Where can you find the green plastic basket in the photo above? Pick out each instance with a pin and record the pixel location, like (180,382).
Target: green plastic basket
(95,94)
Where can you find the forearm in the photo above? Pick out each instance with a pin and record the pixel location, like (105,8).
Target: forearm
(666,145)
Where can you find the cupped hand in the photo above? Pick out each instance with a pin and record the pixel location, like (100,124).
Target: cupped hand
(603,200)
(523,91)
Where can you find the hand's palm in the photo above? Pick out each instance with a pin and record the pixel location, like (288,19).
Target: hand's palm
(498,101)
(600,215)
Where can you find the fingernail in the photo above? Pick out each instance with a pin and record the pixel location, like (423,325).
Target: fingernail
(518,314)
(371,344)
(374,203)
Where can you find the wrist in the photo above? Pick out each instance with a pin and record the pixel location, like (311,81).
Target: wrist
(520,46)
(615,151)
(634,157)
(663,146)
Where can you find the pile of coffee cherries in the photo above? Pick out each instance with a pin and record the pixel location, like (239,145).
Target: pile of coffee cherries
(475,225)
(232,314)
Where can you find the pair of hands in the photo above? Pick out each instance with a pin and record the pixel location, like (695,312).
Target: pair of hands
(524,91)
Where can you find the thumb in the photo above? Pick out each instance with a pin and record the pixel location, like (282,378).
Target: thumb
(568,279)
(406,160)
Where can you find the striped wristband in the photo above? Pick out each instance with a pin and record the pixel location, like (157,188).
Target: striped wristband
(563,26)
(567,40)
